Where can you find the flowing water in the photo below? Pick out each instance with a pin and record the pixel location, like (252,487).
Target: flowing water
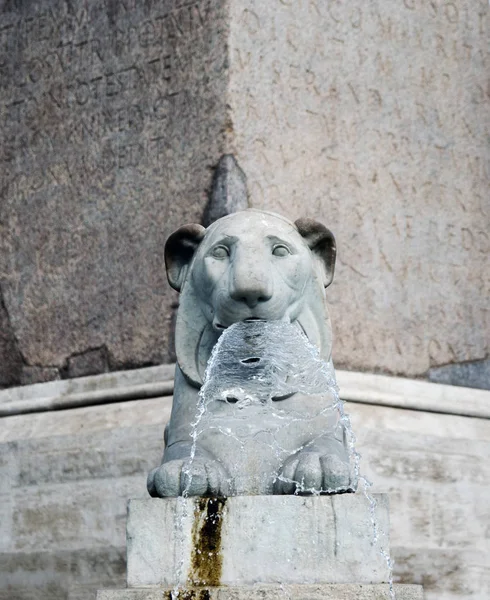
(257,370)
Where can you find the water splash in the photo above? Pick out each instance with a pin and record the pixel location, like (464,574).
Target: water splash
(257,361)
(390,563)
(254,368)
(184,513)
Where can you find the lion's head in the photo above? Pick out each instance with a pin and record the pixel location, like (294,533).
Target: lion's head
(248,265)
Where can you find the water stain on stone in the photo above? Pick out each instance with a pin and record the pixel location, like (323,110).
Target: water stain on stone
(206,558)
(187,594)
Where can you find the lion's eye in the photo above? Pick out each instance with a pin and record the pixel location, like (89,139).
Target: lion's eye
(280,250)
(220,252)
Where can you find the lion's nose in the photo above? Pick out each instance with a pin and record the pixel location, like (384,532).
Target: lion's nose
(250,287)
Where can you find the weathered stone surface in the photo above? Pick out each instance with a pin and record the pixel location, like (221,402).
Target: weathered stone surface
(91,362)
(110,384)
(56,575)
(277,592)
(439,519)
(112,115)
(70,459)
(365,388)
(472,374)
(76,515)
(229,192)
(11,361)
(33,375)
(245,540)
(440,569)
(374,117)
(413,394)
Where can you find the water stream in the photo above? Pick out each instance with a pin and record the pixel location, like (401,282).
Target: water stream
(269,394)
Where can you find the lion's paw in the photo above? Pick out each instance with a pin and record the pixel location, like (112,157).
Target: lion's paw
(314,473)
(196,477)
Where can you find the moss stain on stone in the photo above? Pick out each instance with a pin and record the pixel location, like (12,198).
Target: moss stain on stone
(206,558)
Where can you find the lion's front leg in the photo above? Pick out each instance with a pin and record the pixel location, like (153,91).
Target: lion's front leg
(181,474)
(322,467)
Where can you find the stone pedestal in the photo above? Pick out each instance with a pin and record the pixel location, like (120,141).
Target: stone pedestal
(259,547)
(245,540)
(344,591)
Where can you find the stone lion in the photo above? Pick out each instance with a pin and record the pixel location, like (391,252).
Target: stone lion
(250,265)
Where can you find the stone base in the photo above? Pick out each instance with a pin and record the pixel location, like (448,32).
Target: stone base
(257,540)
(273,592)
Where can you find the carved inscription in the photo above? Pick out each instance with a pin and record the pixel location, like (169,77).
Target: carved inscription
(111,114)
(102,80)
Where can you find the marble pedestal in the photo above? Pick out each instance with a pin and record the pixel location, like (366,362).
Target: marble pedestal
(342,591)
(248,547)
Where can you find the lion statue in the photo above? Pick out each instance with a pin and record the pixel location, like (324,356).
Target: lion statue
(251,265)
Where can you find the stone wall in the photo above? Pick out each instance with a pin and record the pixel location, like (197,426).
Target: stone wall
(371,117)
(112,115)
(374,117)
(66,476)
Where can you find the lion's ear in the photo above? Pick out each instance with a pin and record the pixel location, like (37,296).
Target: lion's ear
(179,250)
(322,243)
